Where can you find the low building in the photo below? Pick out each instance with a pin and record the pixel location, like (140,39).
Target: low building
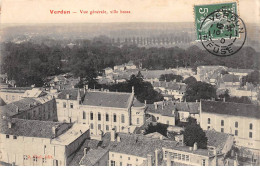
(39,143)
(228,81)
(13,94)
(108,70)
(42,108)
(240,120)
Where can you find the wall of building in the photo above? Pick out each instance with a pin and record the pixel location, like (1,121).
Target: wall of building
(10,97)
(121,159)
(184,157)
(243,129)
(164,119)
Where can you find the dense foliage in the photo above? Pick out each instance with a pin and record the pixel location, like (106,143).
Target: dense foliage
(143,90)
(158,127)
(228,98)
(29,63)
(199,90)
(253,78)
(194,133)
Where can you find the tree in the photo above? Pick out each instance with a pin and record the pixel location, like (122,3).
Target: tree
(171,77)
(190,80)
(224,72)
(199,90)
(159,127)
(253,78)
(194,133)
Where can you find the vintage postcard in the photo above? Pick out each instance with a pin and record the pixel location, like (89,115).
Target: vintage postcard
(129,83)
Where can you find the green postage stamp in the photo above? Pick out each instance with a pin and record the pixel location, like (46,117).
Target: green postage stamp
(206,19)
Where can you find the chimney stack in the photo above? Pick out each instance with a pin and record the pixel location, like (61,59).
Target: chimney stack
(67,96)
(195,146)
(156,157)
(113,135)
(145,102)
(85,151)
(155,106)
(10,124)
(118,139)
(149,159)
(224,99)
(17,109)
(168,159)
(54,131)
(86,87)
(133,89)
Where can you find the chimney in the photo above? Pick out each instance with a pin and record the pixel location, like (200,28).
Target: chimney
(195,146)
(67,96)
(118,139)
(155,106)
(161,137)
(156,157)
(149,159)
(113,135)
(162,106)
(168,159)
(196,101)
(17,109)
(133,89)
(86,87)
(85,151)
(224,99)
(145,102)
(10,124)
(54,131)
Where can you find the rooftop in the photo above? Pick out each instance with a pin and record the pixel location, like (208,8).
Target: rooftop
(31,128)
(73,94)
(230,78)
(107,99)
(230,108)
(93,156)
(216,139)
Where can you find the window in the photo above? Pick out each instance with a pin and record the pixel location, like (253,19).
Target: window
(129,164)
(187,158)
(129,158)
(120,156)
(136,159)
(203,162)
(179,156)
(107,127)
(91,125)
(114,118)
(251,126)
(157,118)
(208,127)
(43,160)
(7,136)
(107,117)
(99,116)
(236,124)
(25,157)
(13,97)
(183,157)
(121,164)
(175,155)
(91,116)
(113,163)
(122,118)
(35,158)
(168,122)
(250,135)
(84,115)
(64,104)
(137,121)
(208,120)
(71,105)
(99,126)
(222,122)
(165,154)
(236,132)
(222,130)
(15,137)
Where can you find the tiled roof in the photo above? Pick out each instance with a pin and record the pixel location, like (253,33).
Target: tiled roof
(107,99)
(139,145)
(230,108)
(191,107)
(2,102)
(136,103)
(16,89)
(30,128)
(153,74)
(230,78)
(216,139)
(35,92)
(22,105)
(93,156)
(240,70)
(73,93)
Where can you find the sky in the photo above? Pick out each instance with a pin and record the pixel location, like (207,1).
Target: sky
(38,11)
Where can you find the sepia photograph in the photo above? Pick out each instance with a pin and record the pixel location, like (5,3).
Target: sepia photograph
(129,83)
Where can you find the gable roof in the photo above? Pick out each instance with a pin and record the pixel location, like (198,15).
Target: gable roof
(35,92)
(230,108)
(30,128)
(73,94)
(93,156)
(216,139)
(107,99)
(230,78)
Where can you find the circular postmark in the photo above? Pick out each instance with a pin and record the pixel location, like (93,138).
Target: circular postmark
(222,33)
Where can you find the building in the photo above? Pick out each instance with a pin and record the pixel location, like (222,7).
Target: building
(229,81)
(154,75)
(41,108)
(101,110)
(39,143)
(221,142)
(175,89)
(95,157)
(130,65)
(13,94)
(168,112)
(205,72)
(240,120)
(108,70)
(239,72)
